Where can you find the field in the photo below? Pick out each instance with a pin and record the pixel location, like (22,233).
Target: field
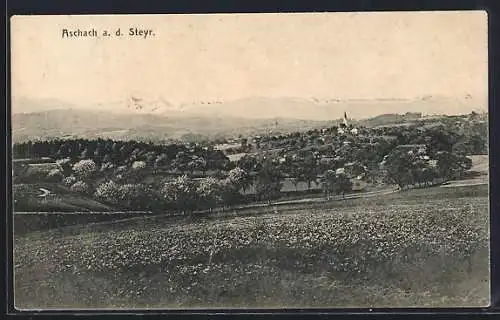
(424,248)
(27,199)
(479,172)
(480,163)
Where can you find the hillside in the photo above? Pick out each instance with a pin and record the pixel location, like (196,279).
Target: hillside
(353,253)
(27,199)
(388,119)
(93,124)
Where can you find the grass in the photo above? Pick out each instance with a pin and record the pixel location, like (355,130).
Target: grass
(480,163)
(423,248)
(63,200)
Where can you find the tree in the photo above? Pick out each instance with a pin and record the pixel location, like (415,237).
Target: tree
(197,164)
(161,161)
(80,187)
(441,139)
(309,172)
(180,162)
(295,181)
(479,144)
(84,154)
(248,163)
(69,181)
(108,191)
(209,192)
(84,169)
(462,147)
(239,179)
(418,167)
(343,184)
(150,159)
(268,182)
(136,170)
(180,192)
(65,165)
(450,166)
(98,154)
(328,183)
(136,196)
(398,167)
(428,175)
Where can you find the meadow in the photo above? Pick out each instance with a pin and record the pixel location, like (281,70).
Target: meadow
(419,248)
(26,198)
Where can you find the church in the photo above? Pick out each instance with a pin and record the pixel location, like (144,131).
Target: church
(345,127)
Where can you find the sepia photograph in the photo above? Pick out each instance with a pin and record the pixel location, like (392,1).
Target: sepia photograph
(250,161)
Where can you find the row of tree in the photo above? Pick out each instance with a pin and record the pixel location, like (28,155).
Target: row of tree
(186,157)
(184,193)
(408,169)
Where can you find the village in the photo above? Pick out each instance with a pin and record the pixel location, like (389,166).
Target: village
(321,162)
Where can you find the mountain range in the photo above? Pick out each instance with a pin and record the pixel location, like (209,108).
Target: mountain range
(159,119)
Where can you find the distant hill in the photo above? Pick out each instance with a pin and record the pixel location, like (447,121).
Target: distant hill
(93,124)
(266,108)
(25,105)
(317,109)
(158,119)
(388,119)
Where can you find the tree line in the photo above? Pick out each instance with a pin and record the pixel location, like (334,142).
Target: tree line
(114,171)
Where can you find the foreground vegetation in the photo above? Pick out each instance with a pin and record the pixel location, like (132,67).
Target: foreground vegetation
(402,252)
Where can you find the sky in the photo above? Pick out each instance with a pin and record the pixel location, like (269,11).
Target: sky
(226,57)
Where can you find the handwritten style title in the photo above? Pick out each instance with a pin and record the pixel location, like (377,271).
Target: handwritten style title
(94,33)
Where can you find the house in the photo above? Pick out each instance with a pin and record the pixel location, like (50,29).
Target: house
(236,157)
(227,146)
(413,148)
(358,182)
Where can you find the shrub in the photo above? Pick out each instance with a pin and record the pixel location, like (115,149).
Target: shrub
(129,196)
(69,181)
(180,192)
(80,187)
(108,191)
(136,196)
(84,169)
(210,191)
